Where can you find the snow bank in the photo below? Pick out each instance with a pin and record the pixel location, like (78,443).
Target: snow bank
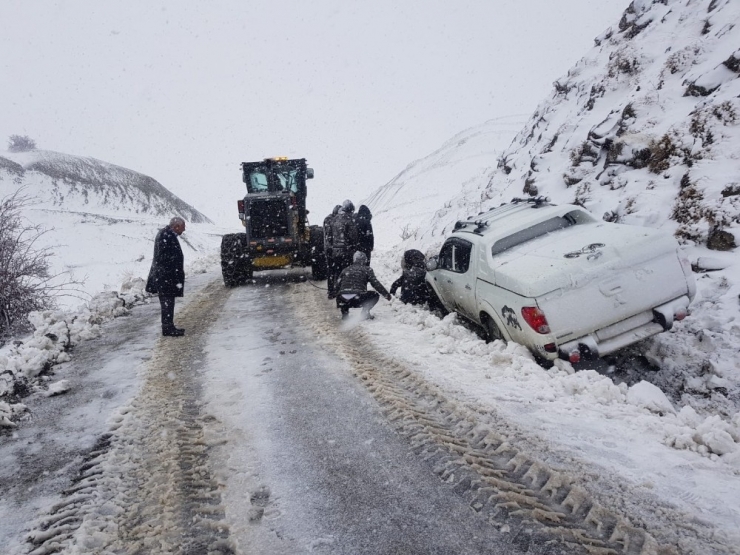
(644,131)
(26,362)
(514,375)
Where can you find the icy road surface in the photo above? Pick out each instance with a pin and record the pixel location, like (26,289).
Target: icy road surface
(272,427)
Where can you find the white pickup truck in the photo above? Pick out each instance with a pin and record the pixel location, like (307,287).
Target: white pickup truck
(561,282)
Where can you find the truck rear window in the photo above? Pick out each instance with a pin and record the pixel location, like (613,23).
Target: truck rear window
(535,231)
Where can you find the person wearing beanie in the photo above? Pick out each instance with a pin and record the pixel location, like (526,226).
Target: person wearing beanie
(352,287)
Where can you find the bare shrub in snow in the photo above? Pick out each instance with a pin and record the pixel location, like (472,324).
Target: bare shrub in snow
(667,152)
(408,232)
(26,283)
(21,143)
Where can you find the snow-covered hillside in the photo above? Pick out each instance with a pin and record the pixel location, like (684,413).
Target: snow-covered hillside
(101,219)
(74,183)
(644,130)
(451,177)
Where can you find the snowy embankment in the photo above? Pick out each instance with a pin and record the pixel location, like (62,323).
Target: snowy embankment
(100,221)
(26,364)
(637,436)
(644,130)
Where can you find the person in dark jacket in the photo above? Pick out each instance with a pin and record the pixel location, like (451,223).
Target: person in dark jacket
(167,275)
(343,239)
(365,237)
(331,275)
(352,287)
(414,289)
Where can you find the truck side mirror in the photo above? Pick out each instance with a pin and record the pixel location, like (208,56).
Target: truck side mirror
(432,263)
(309,173)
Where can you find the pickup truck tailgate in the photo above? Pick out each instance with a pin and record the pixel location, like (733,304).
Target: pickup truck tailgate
(588,277)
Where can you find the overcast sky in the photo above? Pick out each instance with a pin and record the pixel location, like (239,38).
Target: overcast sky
(185,91)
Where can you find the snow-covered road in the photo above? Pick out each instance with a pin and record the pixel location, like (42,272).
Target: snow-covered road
(272,427)
(309,461)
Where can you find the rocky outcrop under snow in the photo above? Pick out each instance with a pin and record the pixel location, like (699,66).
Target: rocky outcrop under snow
(645,128)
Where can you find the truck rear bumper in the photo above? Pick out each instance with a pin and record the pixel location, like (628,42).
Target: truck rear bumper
(622,334)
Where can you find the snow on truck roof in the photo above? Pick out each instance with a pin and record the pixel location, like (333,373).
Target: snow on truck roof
(525,211)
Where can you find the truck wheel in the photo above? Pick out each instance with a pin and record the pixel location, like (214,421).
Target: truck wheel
(236,268)
(318,256)
(492,330)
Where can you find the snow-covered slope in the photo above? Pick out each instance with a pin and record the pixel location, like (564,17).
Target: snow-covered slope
(429,188)
(76,183)
(101,219)
(644,130)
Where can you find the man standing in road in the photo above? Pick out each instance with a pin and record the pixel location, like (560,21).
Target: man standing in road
(352,288)
(329,251)
(167,275)
(344,239)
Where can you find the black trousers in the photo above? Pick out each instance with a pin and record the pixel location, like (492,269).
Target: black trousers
(168,312)
(338,263)
(366,300)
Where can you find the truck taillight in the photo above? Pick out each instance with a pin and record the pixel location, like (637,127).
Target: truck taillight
(536,319)
(240,206)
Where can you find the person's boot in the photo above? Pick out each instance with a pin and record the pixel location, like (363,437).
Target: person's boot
(173,332)
(367,316)
(345,313)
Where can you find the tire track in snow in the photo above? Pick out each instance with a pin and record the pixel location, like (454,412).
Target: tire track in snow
(146,487)
(543,510)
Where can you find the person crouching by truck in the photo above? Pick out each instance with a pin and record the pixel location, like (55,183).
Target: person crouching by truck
(414,288)
(352,288)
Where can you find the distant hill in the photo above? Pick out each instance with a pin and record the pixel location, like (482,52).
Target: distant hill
(88,184)
(101,219)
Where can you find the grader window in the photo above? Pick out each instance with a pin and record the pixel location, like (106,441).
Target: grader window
(257,182)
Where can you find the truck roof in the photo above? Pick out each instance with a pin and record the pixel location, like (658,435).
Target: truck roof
(523,211)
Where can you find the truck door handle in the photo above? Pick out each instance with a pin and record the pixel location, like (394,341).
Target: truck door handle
(468,287)
(449,281)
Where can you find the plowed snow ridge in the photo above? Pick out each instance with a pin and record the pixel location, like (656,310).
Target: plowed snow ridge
(474,450)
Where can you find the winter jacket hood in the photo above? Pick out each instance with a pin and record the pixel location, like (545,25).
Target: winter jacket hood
(364,213)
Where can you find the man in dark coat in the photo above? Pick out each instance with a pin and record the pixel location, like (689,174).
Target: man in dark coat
(352,287)
(412,282)
(329,252)
(365,237)
(167,275)
(344,239)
